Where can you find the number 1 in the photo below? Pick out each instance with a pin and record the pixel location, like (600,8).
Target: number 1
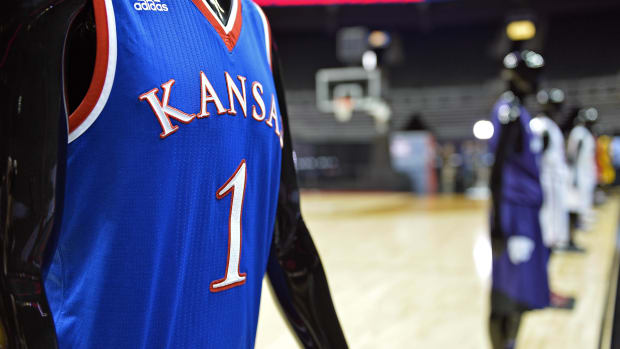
(236,186)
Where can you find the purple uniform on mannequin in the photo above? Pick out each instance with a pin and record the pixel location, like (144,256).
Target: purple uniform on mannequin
(519,257)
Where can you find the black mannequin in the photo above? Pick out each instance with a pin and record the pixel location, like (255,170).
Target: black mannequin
(45,67)
(552,107)
(221,8)
(521,72)
(551,102)
(586,117)
(522,80)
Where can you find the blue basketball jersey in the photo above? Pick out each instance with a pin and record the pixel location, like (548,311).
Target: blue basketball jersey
(173,170)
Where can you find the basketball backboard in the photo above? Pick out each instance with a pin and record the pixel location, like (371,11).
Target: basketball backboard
(360,86)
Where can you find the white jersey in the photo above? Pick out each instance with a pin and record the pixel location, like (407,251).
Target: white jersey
(583,170)
(554,179)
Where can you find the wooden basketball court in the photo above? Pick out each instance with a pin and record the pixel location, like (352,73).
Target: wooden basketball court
(409,272)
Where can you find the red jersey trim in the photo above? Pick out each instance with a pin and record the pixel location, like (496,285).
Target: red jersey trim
(230,32)
(103,75)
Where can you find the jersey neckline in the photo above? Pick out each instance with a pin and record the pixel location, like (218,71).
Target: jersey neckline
(229,32)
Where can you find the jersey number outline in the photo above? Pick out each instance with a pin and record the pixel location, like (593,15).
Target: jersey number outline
(235,185)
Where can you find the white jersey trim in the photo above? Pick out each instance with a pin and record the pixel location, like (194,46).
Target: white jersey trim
(109,78)
(266,33)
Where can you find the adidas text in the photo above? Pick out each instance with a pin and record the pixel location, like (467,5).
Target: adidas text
(150,5)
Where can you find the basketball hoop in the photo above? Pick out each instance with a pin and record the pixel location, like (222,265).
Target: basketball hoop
(354,83)
(343,108)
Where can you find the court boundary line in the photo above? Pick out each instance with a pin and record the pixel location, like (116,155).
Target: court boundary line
(610,314)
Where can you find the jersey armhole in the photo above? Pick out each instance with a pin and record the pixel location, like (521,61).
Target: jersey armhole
(103,75)
(267,33)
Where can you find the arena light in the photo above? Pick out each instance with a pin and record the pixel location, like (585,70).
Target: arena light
(591,114)
(556,95)
(521,30)
(537,126)
(369,60)
(378,39)
(483,129)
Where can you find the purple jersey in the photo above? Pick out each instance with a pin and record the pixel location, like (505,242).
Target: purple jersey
(524,283)
(521,172)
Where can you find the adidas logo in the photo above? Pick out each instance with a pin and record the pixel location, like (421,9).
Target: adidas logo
(150,5)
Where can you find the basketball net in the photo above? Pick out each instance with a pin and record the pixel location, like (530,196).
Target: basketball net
(343,108)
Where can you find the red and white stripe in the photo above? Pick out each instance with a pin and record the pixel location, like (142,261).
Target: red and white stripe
(229,32)
(103,76)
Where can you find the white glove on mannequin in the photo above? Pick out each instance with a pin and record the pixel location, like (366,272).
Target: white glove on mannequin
(520,249)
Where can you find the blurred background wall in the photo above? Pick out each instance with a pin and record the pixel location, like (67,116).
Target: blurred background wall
(443,63)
